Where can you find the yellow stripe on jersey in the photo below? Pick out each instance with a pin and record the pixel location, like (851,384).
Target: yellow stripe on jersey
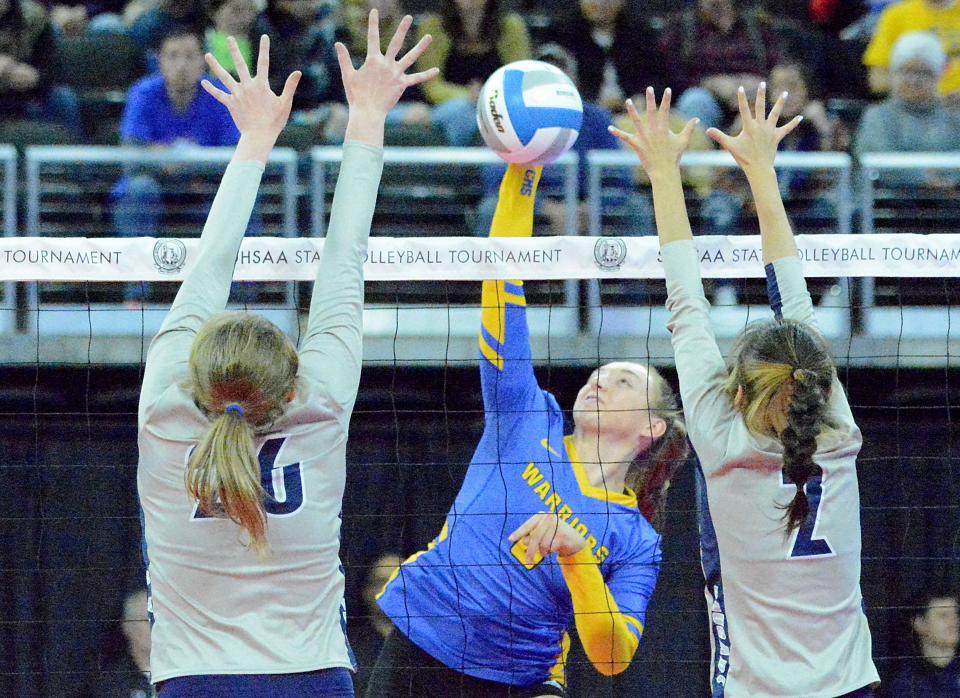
(633,622)
(558,672)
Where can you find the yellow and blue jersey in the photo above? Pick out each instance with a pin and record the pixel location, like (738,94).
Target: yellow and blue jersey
(470,600)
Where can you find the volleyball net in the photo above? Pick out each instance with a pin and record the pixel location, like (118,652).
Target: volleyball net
(80,304)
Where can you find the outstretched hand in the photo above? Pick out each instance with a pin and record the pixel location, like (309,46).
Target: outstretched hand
(756,145)
(255,109)
(657,146)
(376,86)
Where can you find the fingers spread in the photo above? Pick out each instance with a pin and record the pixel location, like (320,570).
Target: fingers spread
(239,64)
(634,115)
(263,58)
(396,43)
(290,86)
(413,55)
(423,76)
(777,109)
(343,58)
(744,107)
(719,137)
(217,94)
(665,105)
(651,101)
(760,106)
(222,75)
(788,127)
(687,132)
(373,33)
(622,135)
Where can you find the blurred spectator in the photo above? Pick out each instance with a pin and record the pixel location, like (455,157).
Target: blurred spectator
(351,29)
(74,18)
(619,192)
(303,33)
(614,46)
(166,110)
(712,49)
(935,671)
(236,18)
(471,39)
(940,17)
(368,632)
(27,48)
(126,673)
(810,196)
(913,118)
(150,27)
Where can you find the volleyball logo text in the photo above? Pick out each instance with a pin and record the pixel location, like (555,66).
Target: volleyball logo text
(169,255)
(494,114)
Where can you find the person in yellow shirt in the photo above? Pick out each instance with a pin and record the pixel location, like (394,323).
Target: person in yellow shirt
(940,17)
(471,39)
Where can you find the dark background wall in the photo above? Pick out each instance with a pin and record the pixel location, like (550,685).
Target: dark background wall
(69,529)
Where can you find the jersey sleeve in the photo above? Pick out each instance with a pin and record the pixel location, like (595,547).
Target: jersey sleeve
(506,364)
(206,287)
(789,298)
(610,615)
(331,350)
(700,367)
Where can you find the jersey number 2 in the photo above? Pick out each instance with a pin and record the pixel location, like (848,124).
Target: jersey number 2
(283,484)
(806,545)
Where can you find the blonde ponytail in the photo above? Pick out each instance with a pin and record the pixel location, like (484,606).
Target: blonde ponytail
(243,372)
(223,475)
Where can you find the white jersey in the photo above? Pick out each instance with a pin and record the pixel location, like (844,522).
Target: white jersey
(792,604)
(217,608)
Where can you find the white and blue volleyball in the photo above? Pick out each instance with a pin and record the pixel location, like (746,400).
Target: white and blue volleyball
(529,112)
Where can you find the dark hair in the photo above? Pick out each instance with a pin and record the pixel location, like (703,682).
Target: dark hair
(770,357)
(13,17)
(180,31)
(650,472)
(489,25)
(918,604)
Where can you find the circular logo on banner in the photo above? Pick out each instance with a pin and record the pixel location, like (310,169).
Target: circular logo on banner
(169,255)
(609,253)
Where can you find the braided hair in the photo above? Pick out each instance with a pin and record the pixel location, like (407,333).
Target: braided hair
(785,372)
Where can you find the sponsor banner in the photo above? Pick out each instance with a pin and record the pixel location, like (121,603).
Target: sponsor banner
(412,259)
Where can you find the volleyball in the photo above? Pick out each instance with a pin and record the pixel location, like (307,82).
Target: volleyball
(529,112)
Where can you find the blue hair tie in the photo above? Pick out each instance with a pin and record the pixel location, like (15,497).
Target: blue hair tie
(233,407)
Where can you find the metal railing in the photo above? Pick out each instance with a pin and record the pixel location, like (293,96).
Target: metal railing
(728,321)
(385,320)
(69,319)
(929,322)
(8,305)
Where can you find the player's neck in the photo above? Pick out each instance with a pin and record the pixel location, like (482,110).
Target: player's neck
(605,460)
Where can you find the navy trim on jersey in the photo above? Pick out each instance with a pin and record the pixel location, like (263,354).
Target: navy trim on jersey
(330,683)
(713,586)
(773,291)
(146,563)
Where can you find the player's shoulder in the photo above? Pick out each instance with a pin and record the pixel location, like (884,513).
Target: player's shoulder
(637,539)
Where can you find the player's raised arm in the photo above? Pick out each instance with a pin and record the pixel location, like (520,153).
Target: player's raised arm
(506,372)
(700,366)
(260,116)
(755,149)
(331,349)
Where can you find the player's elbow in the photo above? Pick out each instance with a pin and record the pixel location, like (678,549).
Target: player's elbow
(611,668)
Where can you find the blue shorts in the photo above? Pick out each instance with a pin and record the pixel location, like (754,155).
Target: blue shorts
(325,683)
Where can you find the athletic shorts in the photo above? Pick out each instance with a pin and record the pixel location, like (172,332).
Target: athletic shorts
(403,670)
(325,683)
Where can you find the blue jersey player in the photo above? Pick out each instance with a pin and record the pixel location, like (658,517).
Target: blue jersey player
(776,441)
(547,528)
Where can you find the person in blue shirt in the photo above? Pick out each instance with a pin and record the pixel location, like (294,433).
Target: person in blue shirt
(620,194)
(168,110)
(548,528)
